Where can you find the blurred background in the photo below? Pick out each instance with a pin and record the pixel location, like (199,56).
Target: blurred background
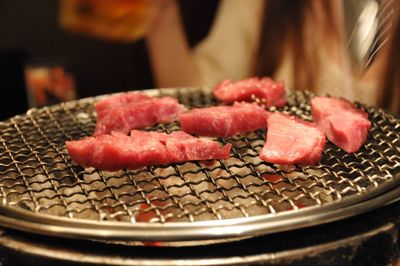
(35,51)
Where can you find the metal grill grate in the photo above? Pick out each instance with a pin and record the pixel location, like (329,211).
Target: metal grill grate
(40,183)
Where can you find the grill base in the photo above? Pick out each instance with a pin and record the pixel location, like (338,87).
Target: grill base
(369,239)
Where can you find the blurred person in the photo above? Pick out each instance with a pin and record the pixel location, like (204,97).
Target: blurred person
(289,40)
(300,42)
(389,93)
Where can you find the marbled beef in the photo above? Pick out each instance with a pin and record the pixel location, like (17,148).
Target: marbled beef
(344,125)
(291,140)
(271,93)
(119,151)
(224,121)
(129,111)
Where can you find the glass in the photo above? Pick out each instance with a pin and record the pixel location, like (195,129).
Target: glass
(49,83)
(116,20)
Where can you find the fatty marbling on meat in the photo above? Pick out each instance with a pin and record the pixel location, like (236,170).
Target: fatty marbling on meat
(224,121)
(271,93)
(119,151)
(291,140)
(119,100)
(128,111)
(344,125)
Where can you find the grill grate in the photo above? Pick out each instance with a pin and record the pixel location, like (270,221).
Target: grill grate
(39,180)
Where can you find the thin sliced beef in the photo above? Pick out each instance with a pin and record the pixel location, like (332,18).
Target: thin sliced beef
(344,125)
(119,151)
(119,100)
(224,121)
(182,148)
(271,93)
(291,140)
(116,151)
(134,111)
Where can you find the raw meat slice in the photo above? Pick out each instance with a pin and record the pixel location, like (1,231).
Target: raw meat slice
(271,93)
(116,151)
(291,140)
(344,125)
(119,151)
(77,150)
(118,100)
(224,121)
(322,107)
(161,137)
(182,147)
(143,150)
(136,114)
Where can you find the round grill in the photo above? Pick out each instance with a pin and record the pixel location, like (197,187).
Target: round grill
(43,191)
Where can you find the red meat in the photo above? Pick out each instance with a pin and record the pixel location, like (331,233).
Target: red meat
(119,151)
(271,93)
(344,125)
(224,121)
(118,100)
(182,147)
(134,111)
(290,140)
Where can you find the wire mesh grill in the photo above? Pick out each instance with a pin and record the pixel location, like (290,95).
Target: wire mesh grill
(38,176)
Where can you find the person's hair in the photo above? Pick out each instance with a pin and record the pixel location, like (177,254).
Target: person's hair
(284,30)
(284,24)
(389,96)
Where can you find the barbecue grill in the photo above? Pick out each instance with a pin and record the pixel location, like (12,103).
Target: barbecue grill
(195,203)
